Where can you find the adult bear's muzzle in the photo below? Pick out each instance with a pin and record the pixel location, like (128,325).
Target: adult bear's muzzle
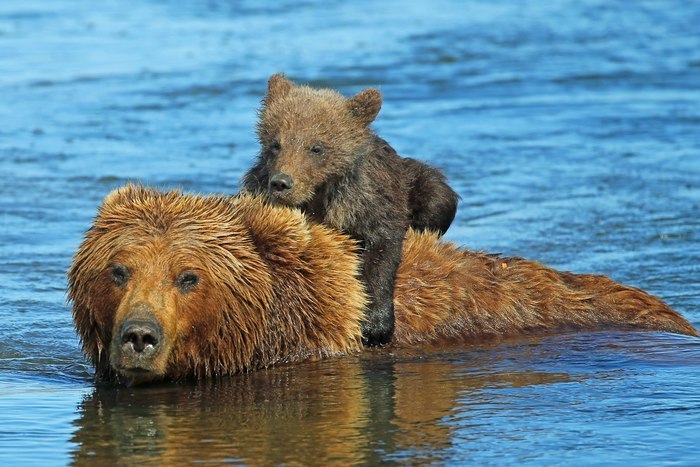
(138,344)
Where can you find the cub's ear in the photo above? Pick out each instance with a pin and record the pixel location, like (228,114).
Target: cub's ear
(277,86)
(365,105)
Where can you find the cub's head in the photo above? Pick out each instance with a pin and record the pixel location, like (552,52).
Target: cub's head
(173,286)
(310,136)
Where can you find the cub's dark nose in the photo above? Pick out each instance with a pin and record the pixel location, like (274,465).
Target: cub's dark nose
(279,183)
(140,336)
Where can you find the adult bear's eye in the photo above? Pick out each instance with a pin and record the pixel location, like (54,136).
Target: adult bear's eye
(120,274)
(316,149)
(187,281)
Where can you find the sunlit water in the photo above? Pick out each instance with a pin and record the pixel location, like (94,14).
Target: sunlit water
(571,130)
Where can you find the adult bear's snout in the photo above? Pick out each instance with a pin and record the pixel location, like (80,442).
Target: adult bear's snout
(140,337)
(140,345)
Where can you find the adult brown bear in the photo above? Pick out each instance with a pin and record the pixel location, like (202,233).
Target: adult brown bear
(173,286)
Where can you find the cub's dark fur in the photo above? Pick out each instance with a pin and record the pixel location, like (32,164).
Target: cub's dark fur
(320,155)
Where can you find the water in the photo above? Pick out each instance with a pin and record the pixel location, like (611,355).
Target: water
(569,128)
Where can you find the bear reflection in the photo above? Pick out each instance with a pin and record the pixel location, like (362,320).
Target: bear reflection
(365,409)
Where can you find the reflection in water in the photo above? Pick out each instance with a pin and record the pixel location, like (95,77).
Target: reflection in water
(540,398)
(269,416)
(365,409)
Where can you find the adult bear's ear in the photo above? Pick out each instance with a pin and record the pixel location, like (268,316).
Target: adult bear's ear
(134,192)
(113,197)
(365,105)
(122,194)
(277,86)
(280,235)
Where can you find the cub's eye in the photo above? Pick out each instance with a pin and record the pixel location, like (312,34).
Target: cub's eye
(120,274)
(275,146)
(316,149)
(187,281)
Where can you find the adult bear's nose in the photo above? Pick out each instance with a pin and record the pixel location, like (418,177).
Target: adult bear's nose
(140,336)
(280,183)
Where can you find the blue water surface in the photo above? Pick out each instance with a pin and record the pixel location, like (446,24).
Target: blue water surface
(570,129)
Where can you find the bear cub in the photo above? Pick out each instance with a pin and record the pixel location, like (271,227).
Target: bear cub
(319,154)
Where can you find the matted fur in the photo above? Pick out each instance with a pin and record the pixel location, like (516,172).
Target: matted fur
(277,288)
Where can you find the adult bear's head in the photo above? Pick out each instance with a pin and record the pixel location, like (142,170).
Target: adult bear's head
(168,286)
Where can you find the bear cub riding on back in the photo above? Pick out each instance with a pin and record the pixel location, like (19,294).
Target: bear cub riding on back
(319,154)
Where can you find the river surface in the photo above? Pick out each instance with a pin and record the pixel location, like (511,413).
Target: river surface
(570,129)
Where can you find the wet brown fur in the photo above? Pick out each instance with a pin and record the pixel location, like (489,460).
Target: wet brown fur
(445,292)
(277,288)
